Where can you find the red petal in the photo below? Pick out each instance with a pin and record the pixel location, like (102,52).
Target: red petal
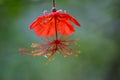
(47,30)
(44,26)
(36,23)
(65,28)
(40,20)
(71,19)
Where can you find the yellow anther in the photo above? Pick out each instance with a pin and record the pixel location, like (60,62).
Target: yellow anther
(78,52)
(48,54)
(33,45)
(33,51)
(65,56)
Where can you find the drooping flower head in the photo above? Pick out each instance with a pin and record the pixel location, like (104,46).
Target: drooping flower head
(49,25)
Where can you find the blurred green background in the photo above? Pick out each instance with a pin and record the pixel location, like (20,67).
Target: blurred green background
(99,36)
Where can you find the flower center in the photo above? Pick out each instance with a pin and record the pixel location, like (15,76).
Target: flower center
(57,41)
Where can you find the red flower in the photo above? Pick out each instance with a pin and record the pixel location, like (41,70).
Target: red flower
(50,25)
(45,25)
(50,48)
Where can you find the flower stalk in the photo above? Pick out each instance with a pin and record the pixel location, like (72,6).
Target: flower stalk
(54,6)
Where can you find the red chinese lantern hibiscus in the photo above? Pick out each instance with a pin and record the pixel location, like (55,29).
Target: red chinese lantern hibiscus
(50,25)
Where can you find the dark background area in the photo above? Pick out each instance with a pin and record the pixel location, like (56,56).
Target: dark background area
(99,37)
